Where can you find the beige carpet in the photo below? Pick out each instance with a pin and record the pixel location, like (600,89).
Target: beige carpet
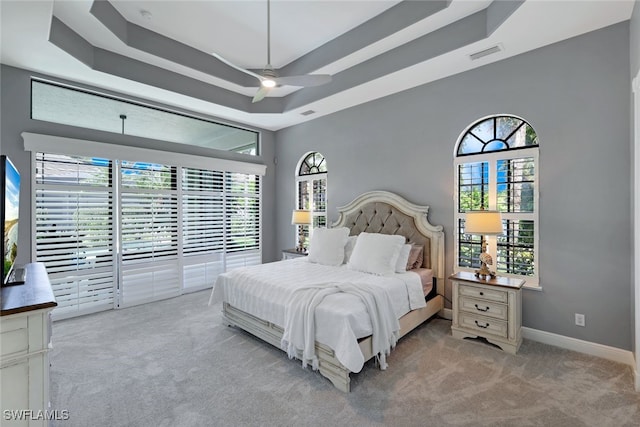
(172,363)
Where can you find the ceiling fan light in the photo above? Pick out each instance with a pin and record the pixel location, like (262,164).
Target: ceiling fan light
(268,83)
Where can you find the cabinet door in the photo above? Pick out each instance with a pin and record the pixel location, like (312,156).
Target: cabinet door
(15,391)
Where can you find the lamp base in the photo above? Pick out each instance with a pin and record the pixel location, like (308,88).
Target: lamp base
(484,272)
(300,247)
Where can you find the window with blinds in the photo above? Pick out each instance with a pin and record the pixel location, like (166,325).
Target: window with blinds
(242,219)
(311,191)
(148,232)
(496,169)
(203,226)
(116,233)
(74,230)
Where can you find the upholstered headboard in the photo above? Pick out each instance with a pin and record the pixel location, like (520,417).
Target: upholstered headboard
(389,213)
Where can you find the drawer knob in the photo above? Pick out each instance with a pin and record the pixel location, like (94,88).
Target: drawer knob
(481,293)
(485,326)
(481,309)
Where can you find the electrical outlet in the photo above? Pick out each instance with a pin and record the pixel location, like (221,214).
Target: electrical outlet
(579,319)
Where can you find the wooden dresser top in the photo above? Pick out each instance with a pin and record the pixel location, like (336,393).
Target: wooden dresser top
(34,294)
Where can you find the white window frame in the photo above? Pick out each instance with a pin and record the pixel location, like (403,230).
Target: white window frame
(72,147)
(492,158)
(309,179)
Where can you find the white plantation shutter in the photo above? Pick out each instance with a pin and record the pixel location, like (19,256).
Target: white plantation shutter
(202,227)
(148,232)
(119,233)
(73,231)
(202,211)
(242,220)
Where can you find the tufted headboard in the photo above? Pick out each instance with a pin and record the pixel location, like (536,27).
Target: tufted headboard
(389,213)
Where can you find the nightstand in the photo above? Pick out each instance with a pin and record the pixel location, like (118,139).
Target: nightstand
(292,253)
(491,309)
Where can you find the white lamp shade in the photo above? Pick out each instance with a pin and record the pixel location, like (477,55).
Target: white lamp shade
(300,216)
(483,222)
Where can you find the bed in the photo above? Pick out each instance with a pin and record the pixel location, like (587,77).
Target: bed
(255,298)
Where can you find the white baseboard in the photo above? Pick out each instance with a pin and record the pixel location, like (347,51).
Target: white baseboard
(586,347)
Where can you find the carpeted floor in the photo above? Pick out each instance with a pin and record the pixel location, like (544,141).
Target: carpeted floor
(172,363)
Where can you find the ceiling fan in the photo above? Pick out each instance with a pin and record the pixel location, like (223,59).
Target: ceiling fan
(268,78)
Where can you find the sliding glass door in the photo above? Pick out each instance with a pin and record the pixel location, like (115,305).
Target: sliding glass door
(115,233)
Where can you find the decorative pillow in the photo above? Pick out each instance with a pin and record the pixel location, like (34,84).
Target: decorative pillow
(348,248)
(415,257)
(327,245)
(376,253)
(403,259)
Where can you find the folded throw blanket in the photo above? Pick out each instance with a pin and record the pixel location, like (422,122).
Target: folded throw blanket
(298,339)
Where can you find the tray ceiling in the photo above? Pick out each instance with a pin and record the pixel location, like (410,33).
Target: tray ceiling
(161,50)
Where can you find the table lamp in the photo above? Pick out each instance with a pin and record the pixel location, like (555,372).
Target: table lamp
(484,223)
(300,217)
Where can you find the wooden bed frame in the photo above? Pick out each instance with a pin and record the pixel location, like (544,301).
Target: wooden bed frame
(374,212)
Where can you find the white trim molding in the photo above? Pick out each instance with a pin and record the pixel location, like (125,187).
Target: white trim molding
(79,147)
(606,352)
(635,88)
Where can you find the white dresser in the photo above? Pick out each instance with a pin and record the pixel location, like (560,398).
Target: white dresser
(25,338)
(488,308)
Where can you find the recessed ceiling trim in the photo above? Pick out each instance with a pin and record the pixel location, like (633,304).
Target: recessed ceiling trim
(121,66)
(156,44)
(394,19)
(470,29)
(389,22)
(465,31)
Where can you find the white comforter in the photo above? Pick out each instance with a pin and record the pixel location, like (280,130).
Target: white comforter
(340,318)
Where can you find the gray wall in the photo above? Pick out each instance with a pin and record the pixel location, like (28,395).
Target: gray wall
(15,104)
(576,96)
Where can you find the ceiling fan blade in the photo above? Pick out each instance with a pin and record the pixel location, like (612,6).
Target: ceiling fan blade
(304,80)
(232,65)
(260,94)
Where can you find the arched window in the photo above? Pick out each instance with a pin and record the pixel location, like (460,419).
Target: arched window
(496,168)
(311,190)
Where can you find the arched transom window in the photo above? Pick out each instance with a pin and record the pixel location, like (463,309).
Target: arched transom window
(311,190)
(496,168)
(312,163)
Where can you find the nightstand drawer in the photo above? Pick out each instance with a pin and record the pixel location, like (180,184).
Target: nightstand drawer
(484,293)
(485,308)
(484,325)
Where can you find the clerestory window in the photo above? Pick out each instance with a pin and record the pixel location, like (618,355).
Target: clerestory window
(496,168)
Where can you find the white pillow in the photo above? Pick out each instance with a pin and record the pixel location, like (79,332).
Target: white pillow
(348,248)
(327,245)
(403,259)
(376,253)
